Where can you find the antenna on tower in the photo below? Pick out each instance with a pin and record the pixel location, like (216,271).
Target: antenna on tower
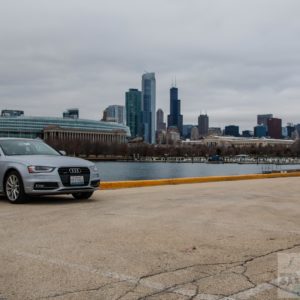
(175,82)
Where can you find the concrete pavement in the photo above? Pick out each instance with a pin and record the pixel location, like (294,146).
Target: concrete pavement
(195,241)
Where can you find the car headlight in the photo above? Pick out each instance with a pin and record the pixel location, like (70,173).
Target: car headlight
(94,169)
(40,169)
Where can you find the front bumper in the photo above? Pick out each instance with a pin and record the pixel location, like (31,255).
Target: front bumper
(51,184)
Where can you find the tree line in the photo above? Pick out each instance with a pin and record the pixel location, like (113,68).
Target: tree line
(130,150)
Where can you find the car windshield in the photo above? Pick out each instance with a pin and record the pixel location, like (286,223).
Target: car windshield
(26,147)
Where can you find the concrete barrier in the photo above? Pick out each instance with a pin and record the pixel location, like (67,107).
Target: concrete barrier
(108,185)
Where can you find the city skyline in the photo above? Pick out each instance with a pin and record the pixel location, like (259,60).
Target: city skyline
(194,118)
(227,58)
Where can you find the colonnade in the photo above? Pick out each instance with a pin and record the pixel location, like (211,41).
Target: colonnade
(102,137)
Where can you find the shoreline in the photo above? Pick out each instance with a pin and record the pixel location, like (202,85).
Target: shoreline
(109,185)
(199,160)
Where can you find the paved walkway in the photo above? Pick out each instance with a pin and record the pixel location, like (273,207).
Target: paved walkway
(196,241)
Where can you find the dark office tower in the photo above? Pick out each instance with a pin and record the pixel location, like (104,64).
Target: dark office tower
(148,107)
(187,130)
(297,131)
(133,111)
(275,128)
(232,130)
(175,118)
(160,124)
(203,125)
(263,119)
(290,128)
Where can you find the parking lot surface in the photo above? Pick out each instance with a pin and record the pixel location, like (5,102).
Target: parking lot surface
(195,241)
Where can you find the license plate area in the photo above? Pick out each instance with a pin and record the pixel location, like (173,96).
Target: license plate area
(76,180)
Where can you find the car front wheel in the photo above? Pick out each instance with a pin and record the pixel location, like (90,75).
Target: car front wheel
(14,189)
(82,195)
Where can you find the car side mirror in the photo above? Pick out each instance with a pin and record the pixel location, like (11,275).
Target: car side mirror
(62,152)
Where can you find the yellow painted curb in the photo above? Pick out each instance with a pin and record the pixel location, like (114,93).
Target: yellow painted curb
(108,185)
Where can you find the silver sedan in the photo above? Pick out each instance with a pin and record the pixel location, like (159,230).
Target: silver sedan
(31,167)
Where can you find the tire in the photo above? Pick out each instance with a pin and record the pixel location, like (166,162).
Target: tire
(82,195)
(14,188)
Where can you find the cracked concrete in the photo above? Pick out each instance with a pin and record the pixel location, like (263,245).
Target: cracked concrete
(201,241)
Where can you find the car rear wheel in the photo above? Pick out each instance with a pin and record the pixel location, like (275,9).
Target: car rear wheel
(14,189)
(82,195)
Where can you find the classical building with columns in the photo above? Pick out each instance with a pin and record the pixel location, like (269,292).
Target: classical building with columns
(63,129)
(58,133)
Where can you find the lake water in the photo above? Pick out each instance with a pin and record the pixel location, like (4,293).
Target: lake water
(117,171)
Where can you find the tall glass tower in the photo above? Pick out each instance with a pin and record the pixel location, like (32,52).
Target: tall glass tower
(133,111)
(175,118)
(148,107)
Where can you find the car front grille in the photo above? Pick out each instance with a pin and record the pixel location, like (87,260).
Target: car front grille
(66,172)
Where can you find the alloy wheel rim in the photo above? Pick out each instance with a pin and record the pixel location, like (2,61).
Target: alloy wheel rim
(12,188)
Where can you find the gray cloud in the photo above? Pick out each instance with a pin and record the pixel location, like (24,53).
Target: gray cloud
(233,59)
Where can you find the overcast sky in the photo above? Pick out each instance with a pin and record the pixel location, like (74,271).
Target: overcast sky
(232,58)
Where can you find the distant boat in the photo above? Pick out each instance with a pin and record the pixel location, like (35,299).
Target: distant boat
(215,159)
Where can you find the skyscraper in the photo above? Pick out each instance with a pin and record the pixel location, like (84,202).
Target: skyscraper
(290,129)
(186,131)
(72,113)
(232,130)
(148,107)
(12,113)
(133,111)
(297,131)
(160,124)
(275,128)
(175,118)
(194,133)
(260,131)
(114,113)
(203,125)
(263,119)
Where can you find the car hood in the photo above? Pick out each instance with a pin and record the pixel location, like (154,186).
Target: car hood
(51,161)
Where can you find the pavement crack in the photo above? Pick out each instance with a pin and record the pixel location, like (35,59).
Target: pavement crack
(187,267)
(269,253)
(81,291)
(244,265)
(131,290)
(247,277)
(172,288)
(196,293)
(285,289)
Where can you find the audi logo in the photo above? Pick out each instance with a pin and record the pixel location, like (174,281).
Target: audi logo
(74,170)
